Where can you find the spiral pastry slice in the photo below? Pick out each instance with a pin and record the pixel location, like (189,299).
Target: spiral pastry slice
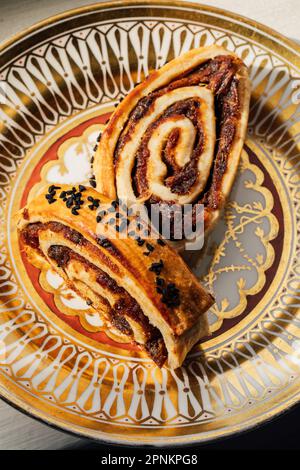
(176,138)
(129,280)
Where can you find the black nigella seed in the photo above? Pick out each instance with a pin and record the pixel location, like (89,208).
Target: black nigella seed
(138,226)
(63,194)
(157,267)
(89,302)
(90,198)
(99,137)
(118,215)
(53,188)
(160,242)
(95,148)
(82,188)
(49,196)
(93,183)
(91,206)
(170,294)
(77,207)
(69,202)
(98,219)
(115,204)
(146,253)
(51,201)
(150,247)
(74,211)
(160,281)
(140,241)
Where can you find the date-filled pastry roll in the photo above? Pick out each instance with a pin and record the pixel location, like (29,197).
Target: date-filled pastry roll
(139,285)
(177,137)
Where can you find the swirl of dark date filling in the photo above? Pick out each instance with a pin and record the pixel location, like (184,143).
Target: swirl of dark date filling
(176,143)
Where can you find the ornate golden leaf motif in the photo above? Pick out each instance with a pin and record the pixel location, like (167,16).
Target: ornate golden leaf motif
(244,253)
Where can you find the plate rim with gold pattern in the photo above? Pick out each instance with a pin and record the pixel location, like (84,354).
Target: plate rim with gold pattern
(288,50)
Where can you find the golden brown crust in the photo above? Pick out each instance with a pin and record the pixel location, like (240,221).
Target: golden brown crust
(121,150)
(123,261)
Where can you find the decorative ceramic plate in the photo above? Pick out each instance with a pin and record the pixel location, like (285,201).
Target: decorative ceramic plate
(59,83)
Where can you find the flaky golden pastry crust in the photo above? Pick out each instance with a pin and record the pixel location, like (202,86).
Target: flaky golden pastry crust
(139,285)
